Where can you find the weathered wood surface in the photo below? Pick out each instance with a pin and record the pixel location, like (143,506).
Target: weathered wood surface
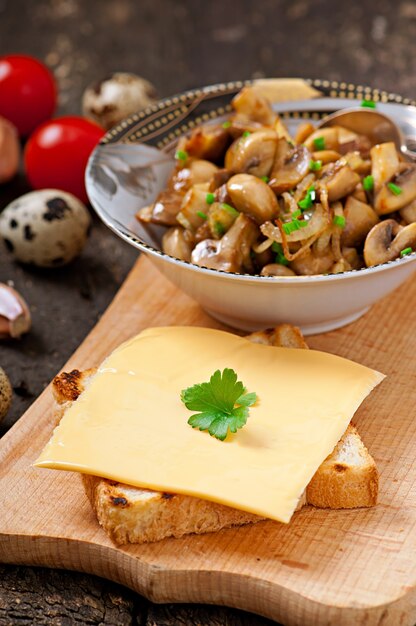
(326,567)
(176,45)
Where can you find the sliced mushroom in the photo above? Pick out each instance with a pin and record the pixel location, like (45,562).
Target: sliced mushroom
(326,156)
(208,142)
(194,207)
(177,243)
(253,154)
(221,217)
(250,105)
(232,252)
(384,163)
(408,213)
(357,163)
(339,180)
(350,141)
(163,211)
(276,269)
(388,200)
(312,263)
(196,171)
(352,257)
(253,196)
(386,240)
(290,166)
(219,179)
(303,132)
(359,193)
(360,219)
(329,137)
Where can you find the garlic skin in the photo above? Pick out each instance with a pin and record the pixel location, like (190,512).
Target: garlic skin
(110,100)
(47,228)
(9,150)
(6,393)
(15,317)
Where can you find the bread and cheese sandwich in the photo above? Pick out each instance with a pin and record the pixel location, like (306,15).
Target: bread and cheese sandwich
(347,477)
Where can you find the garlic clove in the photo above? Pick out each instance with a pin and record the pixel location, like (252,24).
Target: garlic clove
(9,150)
(15,317)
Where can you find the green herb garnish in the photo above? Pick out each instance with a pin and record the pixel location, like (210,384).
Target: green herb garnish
(308,200)
(395,189)
(223,404)
(280,256)
(319,143)
(226,124)
(230,209)
(210,198)
(315,166)
(246,133)
(368,183)
(405,252)
(339,220)
(181,155)
(202,214)
(265,179)
(219,228)
(368,104)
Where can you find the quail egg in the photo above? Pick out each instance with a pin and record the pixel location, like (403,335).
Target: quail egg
(5,393)
(47,228)
(119,95)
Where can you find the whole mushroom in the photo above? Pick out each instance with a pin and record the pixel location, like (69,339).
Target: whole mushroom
(47,228)
(6,393)
(117,96)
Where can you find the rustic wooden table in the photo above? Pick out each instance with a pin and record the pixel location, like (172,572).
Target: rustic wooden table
(176,44)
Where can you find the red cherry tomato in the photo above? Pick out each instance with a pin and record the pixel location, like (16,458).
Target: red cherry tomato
(27,92)
(57,153)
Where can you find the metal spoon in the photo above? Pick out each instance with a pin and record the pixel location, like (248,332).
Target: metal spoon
(378,127)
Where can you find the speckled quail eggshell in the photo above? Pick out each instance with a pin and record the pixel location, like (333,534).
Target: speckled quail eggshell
(47,228)
(116,97)
(5,393)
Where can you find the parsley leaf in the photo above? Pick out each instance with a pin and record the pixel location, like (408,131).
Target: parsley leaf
(223,404)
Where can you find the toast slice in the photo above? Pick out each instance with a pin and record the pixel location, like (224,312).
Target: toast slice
(348,478)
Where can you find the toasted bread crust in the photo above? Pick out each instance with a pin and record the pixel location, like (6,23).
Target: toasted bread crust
(348,478)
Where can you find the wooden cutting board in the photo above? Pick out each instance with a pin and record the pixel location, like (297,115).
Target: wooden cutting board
(327,567)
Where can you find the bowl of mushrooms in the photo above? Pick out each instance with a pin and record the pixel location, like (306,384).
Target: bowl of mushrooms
(261,204)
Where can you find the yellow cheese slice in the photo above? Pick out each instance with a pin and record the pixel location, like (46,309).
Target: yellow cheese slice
(131,426)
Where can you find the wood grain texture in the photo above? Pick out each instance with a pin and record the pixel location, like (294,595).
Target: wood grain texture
(326,567)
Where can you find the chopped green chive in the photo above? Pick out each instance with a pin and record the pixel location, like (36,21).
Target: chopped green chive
(295,224)
(319,143)
(280,257)
(246,133)
(209,198)
(265,179)
(405,252)
(308,200)
(368,104)
(395,189)
(230,209)
(226,124)
(219,228)
(339,220)
(182,155)
(289,227)
(368,183)
(296,213)
(315,166)
(202,214)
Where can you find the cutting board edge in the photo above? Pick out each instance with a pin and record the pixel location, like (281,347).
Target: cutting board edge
(232,589)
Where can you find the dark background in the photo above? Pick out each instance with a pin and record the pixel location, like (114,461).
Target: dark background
(176,44)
